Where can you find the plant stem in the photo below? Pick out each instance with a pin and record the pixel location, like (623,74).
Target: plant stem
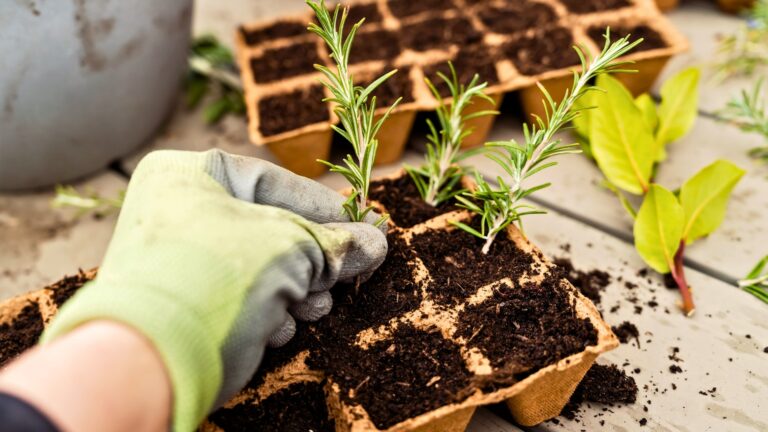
(678,274)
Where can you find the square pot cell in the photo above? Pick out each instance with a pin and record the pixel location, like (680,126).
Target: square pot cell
(651,38)
(278,30)
(368,11)
(431,366)
(523,328)
(20,334)
(513,17)
(290,111)
(405,8)
(548,49)
(477,59)
(590,6)
(280,63)
(298,407)
(375,45)
(398,85)
(458,267)
(403,202)
(439,33)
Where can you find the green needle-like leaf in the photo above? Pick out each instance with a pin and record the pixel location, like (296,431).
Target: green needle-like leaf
(705,197)
(659,228)
(622,142)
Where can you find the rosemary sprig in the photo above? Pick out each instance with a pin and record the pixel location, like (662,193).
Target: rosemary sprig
(746,51)
(211,63)
(437,178)
(749,113)
(500,206)
(352,106)
(68,197)
(756,282)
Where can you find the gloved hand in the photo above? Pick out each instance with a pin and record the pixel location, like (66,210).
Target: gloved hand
(209,253)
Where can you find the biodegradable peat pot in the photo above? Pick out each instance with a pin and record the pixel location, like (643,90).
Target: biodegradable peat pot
(436,332)
(511,45)
(667,5)
(735,6)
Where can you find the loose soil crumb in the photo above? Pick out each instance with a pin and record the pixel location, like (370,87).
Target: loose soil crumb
(403,202)
(591,283)
(675,369)
(605,384)
(21,334)
(458,267)
(66,288)
(525,328)
(626,331)
(300,408)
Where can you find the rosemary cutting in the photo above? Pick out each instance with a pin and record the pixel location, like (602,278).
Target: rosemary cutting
(500,206)
(437,178)
(69,197)
(756,282)
(354,105)
(750,114)
(746,51)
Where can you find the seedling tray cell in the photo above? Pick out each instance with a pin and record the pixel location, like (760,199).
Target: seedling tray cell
(512,45)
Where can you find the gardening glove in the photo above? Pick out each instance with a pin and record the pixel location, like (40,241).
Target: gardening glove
(209,254)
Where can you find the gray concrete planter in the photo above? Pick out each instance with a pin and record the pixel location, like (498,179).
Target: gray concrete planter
(83,82)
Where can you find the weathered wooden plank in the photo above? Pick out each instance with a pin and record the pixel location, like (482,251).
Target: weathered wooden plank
(730,252)
(721,347)
(41,244)
(703,23)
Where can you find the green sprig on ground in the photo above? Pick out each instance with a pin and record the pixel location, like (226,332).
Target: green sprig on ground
(750,114)
(212,68)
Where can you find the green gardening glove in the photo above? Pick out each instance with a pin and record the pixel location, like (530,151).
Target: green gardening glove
(210,254)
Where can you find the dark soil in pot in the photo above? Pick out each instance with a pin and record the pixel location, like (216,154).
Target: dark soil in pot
(589,6)
(651,38)
(298,408)
(458,267)
(66,288)
(289,111)
(475,59)
(278,30)
(405,8)
(20,334)
(375,45)
(513,17)
(397,86)
(439,33)
(403,202)
(524,328)
(281,63)
(549,50)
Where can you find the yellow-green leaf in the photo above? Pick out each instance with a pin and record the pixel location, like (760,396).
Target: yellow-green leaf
(621,141)
(677,112)
(647,106)
(659,228)
(705,197)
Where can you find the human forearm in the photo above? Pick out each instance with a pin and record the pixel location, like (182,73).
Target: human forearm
(103,377)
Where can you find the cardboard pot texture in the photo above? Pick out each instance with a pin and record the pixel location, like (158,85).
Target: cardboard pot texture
(538,397)
(418,60)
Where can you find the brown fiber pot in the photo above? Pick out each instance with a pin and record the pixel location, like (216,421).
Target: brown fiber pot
(667,5)
(735,6)
(510,79)
(534,399)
